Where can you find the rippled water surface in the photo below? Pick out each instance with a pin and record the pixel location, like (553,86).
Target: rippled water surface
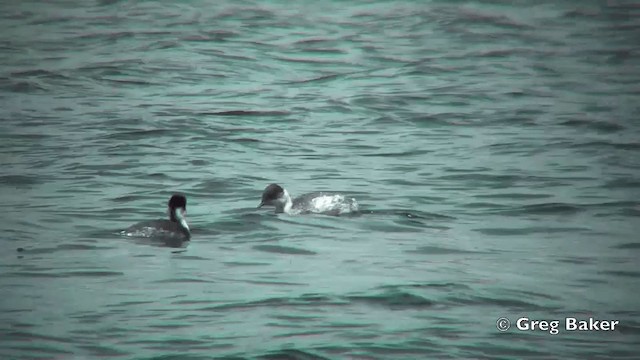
(494,147)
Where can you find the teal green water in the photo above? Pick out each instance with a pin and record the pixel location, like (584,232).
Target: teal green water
(493,146)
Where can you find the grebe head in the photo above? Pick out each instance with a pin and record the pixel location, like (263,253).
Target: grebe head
(177,210)
(274,195)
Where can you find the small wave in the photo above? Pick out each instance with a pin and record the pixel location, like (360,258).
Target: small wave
(38,73)
(606,145)
(623,183)
(245,140)
(103,351)
(25,87)
(477,177)
(394,300)
(319,79)
(273,283)
(583,13)
(129,303)
(40,350)
(210,36)
(630,328)
(314,300)
(138,134)
(128,198)
(62,247)
(399,154)
(511,304)
(245,263)
(244,113)
(621,273)
(633,212)
(315,61)
(577,260)
(599,126)
(192,257)
(156,237)
(183,280)
(528,230)
(447,286)
(133,82)
(20,180)
(633,245)
(92,273)
(19,336)
(38,274)
(283,250)
(411,214)
(439,250)
(290,354)
(514,196)
(543,209)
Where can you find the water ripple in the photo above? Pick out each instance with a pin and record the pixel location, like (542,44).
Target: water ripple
(493,148)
